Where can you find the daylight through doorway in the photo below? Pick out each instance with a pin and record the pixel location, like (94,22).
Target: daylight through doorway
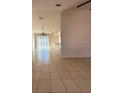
(42,42)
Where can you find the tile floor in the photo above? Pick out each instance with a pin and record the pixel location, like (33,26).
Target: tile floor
(53,74)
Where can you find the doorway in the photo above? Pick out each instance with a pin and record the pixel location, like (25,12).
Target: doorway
(42,42)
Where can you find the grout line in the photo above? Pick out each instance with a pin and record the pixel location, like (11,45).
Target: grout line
(50,72)
(60,74)
(70,75)
(58,60)
(73,79)
(39,78)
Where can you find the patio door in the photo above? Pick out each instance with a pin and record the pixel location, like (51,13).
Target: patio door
(42,42)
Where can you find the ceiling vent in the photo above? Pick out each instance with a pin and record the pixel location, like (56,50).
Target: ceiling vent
(58,3)
(83,4)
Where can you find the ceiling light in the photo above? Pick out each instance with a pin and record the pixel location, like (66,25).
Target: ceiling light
(43,33)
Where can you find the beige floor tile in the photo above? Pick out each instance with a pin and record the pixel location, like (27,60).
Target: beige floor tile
(71,86)
(35,75)
(62,69)
(53,70)
(58,86)
(34,86)
(76,75)
(45,71)
(44,86)
(66,76)
(44,75)
(60,75)
(45,66)
(36,69)
(80,75)
(84,85)
(36,64)
(85,75)
(55,75)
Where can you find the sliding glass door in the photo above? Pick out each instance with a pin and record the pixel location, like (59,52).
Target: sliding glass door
(42,42)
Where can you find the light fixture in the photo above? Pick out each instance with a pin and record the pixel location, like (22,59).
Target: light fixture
(43,33)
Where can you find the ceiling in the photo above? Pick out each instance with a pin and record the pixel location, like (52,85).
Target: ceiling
(50,5)
(51,13)
(51,21)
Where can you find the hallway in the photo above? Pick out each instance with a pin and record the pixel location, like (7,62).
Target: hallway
(53,74)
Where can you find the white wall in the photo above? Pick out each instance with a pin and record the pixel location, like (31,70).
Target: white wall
(75,33)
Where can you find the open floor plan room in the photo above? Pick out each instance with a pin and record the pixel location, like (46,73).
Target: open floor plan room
(61,43)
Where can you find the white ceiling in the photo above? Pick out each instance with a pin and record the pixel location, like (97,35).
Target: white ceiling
(50,5)
(51,21)
(51,14)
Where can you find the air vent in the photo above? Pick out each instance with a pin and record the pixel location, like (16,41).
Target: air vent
(58,5)
(83,4)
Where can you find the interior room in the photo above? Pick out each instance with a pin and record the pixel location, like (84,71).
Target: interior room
(61,46)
